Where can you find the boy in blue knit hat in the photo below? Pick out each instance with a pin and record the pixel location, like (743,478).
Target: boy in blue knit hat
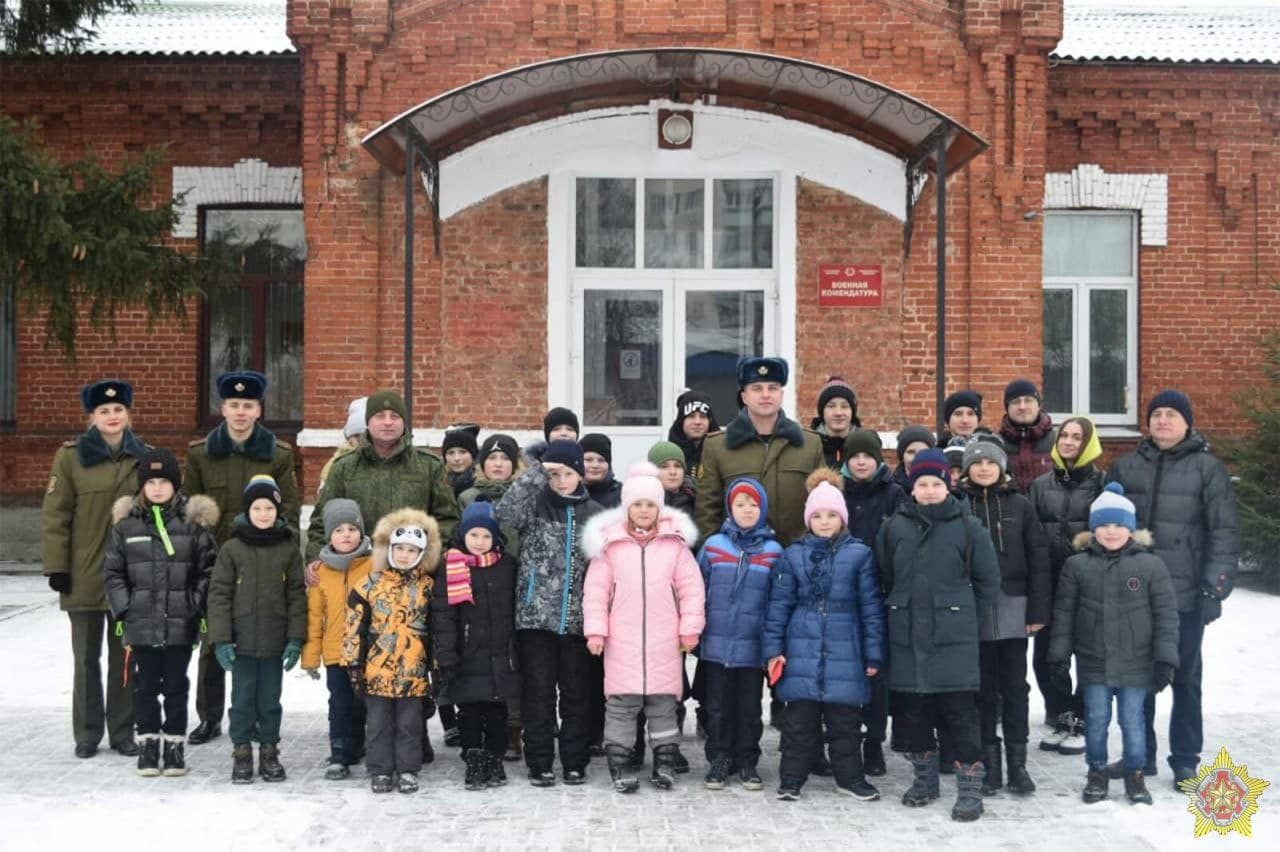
(1117,612)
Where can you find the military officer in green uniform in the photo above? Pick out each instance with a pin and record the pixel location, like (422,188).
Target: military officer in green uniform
(89,474)
(220,466)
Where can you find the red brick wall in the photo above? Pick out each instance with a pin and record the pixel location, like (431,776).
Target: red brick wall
(1205,298)
(208,112)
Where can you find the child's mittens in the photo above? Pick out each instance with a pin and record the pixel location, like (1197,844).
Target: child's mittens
(60,583)
(595,645)
(292,652)
(688,643)
(356,677)
(225,652)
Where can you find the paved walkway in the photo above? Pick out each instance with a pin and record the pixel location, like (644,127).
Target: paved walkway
(49,800)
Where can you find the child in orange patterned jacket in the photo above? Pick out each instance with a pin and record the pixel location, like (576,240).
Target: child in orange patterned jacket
(385,648)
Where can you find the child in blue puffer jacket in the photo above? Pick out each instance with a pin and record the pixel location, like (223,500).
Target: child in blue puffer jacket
(736,566)
(825,627)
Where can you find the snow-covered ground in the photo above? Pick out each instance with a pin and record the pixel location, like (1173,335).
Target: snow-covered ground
(50,801)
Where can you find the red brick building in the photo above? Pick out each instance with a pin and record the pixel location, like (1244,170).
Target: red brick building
(1118,235)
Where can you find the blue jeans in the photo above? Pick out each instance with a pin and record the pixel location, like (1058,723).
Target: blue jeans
(1130,715)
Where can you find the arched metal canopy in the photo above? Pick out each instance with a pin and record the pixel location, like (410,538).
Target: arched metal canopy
(922,137)
(793,88)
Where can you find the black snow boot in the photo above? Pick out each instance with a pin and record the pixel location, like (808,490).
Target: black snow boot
(968,806)
(497,773)
(148,755)
(1135,788)
(873,759)
(242,764)
(336,768)
(1020,783)
(924,785)
(269,762)
(993,759)
(620,770)
(1095,786)
(477,761)
(175,761)
(682,762)
(663,775)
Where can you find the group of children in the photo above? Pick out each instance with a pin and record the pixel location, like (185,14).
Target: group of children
(938,586)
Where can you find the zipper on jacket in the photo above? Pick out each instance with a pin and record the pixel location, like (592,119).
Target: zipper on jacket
(644,625)
(568,570)
(528,592)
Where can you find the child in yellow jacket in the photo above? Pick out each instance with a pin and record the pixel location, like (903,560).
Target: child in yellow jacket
(385,647)
(346,562)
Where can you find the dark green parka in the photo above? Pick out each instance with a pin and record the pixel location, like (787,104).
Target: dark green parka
(256,598)
(1116,611)
(411,477)
(939,570)
(87,479)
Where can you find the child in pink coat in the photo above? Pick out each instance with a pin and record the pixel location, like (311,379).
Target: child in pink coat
(643,604)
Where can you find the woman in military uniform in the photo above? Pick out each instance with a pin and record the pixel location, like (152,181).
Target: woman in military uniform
(89,474)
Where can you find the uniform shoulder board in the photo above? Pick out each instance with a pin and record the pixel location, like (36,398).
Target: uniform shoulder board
(197,442)
(285,445)
(68,444)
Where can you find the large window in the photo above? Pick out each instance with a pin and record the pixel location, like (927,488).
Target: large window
(256,325)
(8,355)
(1090,315)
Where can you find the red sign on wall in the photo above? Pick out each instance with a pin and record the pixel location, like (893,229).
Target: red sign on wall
(851,286)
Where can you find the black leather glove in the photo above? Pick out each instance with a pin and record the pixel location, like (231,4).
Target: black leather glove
(1210,609)
(60,583)
(1161,677)
(1060,677)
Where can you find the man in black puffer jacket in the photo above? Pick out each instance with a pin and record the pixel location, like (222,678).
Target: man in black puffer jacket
(1184,497)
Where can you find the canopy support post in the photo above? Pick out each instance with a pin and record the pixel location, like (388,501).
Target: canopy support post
(940,357)
(410,156)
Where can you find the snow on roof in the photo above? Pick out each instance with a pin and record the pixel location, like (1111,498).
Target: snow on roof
(1175,31)
(194,27)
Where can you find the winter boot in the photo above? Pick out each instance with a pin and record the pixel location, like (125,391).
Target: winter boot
(749,777)
(968,806)
(477,764)
(1135,788)
(175,762)
(620,770)
(542,777)
(148,755)
(873,759)
(453,737)
(381,783)
(1073,742)
(269,762)
(1095,786)
(924,786)
(514,751)
(1020,783)
(336,765)
(1180,774)
(717,777)
(407,782)
(682,762)
(664,766)
(497,773)
(242,764)
(993,781)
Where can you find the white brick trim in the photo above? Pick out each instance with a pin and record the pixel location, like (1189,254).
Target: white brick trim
(1089,186)
(247,182)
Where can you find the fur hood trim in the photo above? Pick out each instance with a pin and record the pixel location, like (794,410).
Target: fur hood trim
(823,474)
(198,509)
(611,525)
(1142,537)
(407,517)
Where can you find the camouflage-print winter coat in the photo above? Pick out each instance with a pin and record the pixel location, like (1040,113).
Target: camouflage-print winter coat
(387,628)
(552,565)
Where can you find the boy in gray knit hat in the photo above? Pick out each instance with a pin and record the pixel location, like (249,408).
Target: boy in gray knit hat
(345,563)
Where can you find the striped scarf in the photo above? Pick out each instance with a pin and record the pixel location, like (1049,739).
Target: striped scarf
(457,573)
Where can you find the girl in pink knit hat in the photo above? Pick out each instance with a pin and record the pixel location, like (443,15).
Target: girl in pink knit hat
(643,604)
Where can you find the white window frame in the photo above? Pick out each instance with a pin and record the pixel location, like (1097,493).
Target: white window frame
(1080,287)
(675,284)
